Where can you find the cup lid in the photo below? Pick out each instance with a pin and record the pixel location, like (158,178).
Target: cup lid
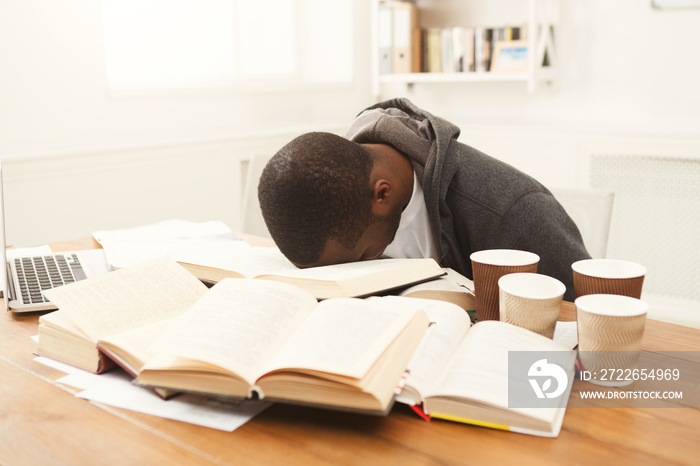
(611,305)
(609,268)
(504,257)
(532,285)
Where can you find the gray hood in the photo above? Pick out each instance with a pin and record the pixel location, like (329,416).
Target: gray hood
(422,137)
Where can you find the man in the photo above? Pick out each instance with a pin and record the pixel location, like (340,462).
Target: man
(400,185)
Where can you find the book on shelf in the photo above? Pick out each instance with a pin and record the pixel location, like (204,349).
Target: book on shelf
(460,373)
(385,40)
(405,23)
(433,61)
(488,48)
(354,279)
(462,49)
(446,51)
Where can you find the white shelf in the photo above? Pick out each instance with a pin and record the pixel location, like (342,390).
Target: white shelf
(541,18)
(470,77)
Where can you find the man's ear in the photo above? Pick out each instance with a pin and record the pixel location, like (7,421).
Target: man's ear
(382,198)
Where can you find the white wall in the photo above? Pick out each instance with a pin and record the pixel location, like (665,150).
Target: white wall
(58,122)
(53,89)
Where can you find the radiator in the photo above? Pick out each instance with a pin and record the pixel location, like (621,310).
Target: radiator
(656,222)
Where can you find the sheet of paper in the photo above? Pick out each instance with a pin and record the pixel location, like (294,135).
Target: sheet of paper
(198,242)
(566,333)
(115,389)
(168,230)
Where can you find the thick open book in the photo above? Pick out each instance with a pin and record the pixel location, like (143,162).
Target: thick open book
(241,338)
(62,340)
(127,308)
(460,373)
(250,338)
(354,279)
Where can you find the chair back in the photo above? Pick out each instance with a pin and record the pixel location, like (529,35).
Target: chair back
(251,216)
(591,210)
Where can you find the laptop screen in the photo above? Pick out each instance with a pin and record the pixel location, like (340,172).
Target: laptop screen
(3,244)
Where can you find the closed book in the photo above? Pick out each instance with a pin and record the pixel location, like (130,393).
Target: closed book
(448,65)
(405,22)
(434,50)
(479,61)
(385,38)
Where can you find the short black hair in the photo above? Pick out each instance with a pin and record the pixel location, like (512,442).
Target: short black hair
(316,188)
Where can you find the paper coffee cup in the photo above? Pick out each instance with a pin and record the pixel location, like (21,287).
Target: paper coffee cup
(487,267)
(608,276)
(610,333)
(531,301)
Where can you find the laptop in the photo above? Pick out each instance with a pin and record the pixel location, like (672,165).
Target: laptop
(28,275)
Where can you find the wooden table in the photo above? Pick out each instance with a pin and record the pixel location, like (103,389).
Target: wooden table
(42,423)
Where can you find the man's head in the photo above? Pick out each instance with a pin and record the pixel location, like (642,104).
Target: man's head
(318,199)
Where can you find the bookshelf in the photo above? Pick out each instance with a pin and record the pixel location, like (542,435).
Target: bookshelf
(537,19)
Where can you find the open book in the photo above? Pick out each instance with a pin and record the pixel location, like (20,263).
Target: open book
(271,340)
(354,279)
(345,353)
(127,308)
(62,340)
(461,373)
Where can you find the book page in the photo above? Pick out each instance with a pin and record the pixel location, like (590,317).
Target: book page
(58,319)
(238,325)
(479,368)
(128,298)
(180,240)
(345,336)
(453,281)
(346,270)
(138,341)
(449,324)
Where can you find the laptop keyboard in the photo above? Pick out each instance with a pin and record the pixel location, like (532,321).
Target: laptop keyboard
(41,273)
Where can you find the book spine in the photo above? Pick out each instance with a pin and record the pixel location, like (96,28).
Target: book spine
(434,50)
(404,24)
(479,50)
(385,41)
(446,50)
